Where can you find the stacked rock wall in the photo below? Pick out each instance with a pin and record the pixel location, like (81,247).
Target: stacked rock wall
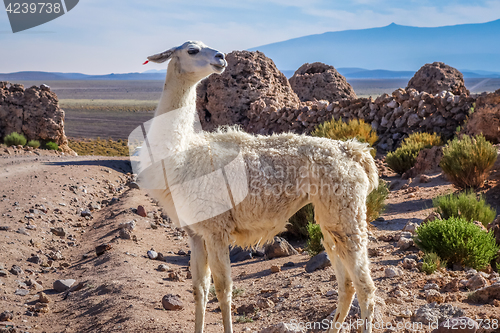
(393,117)
(34,112)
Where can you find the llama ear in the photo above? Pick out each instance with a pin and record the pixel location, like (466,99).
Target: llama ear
(162,57)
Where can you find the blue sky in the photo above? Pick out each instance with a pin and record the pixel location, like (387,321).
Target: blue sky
(115,36)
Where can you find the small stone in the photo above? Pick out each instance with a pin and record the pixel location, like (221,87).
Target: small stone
(476,282)
(6,316)
(4,228)
(3,273)
(163,268)
(275,269)
(42,308)
(22,292)
(58,231)
(391,272)
(410,227)
(125,234)
(247,308)
(101,249)
(319,261)
(331,293)
(172,302)
(130,225)
(265,303)
(141,211)
(409,263)
(43,298)
(289,264)
(152,254)
(16,270)
(433,295)
(86,213)
(181,252)
(430,286)
(405,243)
(432,216)
(63,285)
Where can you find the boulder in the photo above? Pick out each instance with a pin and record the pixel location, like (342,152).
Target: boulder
(486,294)
(172,302)
(319,261)
(318,81)
(486,118)
(433,313)
(250,86)
(34,112)
(279,248)
(437,77)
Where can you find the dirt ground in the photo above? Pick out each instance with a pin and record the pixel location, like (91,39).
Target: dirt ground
(122,289)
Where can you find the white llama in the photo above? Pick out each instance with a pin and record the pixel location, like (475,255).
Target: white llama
(281,173)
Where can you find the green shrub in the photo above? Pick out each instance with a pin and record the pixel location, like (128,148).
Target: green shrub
(432,262)
(51,146)
(339,130)
(429,140)
(243,319)
(465,205)
(297,224)
(404,158)
(375,202)
(314,245)
(33,144)
(457,240)
(467,162)
(14,139)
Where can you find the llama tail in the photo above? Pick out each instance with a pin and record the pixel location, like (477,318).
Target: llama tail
(361,153)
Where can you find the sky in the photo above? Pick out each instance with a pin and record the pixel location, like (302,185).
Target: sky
(116,36)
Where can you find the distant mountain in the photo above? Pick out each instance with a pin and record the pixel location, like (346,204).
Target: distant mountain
(394,47)
(54,76)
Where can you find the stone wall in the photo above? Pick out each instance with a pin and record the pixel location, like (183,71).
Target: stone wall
(34,112)
(393,117)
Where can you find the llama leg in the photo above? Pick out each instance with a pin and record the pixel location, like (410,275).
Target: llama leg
(201,280)
(346,288)
(218,259)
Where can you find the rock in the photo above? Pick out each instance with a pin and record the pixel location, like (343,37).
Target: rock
(289,264)
(486,118)
(35,112)
(4,228)
(86,213)
(130,225)
(404,243)
(432,216)
(181,252)
(141,211)
(433,313)
(433,295)
(3,273)
(430,286)
(58,231)
(476,282)
(163,268)
(35,260)
(16,270)
(152,254)
(486,294)
(279,248)
(410,227)
(43,298)
(495,228)
(409,263)
(42,308)
(21,292)
(392,272)
(427,161)
(125,233)
(63,285)
(238,254)
(331,293)
(6,316)
(134,185)
(319,261)
(265,303)
(424,179)
(172,302)
(247,308)
(457,325)
(101,249)
(250,87)
(318,81)
(437,77)
(282,328)
(275,269)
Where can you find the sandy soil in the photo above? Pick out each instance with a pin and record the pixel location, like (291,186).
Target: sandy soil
(122,289)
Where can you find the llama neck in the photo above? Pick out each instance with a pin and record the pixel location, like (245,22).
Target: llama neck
(179,100)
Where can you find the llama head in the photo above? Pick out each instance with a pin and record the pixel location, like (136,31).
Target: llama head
(193,59)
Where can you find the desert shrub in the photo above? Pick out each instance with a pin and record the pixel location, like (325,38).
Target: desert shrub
(297,224)
(465,205)
(14,139)
(467,161)
(457,240)
(33,144)
(339,130)
(404,158)
(243,319)
(51,145)
(375,202)
(314,245)
(432,262)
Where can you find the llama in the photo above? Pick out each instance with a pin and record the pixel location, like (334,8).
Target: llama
(282,173)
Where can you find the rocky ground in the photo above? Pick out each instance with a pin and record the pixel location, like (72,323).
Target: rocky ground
(56,211)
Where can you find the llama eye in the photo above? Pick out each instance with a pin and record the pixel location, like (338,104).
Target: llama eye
(193,51)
